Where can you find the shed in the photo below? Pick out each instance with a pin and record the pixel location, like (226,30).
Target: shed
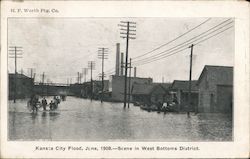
(216,89)
(148,93)
(180,89)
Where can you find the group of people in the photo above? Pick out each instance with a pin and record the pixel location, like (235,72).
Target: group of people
(34,103)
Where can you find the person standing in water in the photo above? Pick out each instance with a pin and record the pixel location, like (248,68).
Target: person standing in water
(44,103)
(34,101)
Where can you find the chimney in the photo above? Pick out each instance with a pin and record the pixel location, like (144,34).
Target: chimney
(122,63)
(117,65)
(134,71)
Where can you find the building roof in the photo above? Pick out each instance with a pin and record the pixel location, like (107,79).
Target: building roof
(164,85)
(142,78)
(225,73)
(12,75)
(184,85)
(145,88)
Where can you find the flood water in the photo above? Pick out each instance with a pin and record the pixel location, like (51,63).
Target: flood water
(78,119)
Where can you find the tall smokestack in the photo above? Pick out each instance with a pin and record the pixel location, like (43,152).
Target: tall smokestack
(134,71)
(117,65)
(122,63)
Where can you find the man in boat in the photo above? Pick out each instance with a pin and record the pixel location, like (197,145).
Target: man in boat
(44,103)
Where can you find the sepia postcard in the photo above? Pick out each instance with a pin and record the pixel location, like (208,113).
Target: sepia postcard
(125,79)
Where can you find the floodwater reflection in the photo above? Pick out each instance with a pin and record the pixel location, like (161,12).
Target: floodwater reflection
(80,119)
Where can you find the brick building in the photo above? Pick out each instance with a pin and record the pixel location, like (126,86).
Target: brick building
(216,89)
(118,86)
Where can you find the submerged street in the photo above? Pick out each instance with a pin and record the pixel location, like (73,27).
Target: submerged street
(78,119)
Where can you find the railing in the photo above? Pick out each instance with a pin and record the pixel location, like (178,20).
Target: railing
(50,84)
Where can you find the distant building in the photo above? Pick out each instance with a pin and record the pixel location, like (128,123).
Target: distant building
(51,89)
(77,89)
(22,87)
(216,89)
(180,90)
(118,86)
(85,89)
(97,88)
(148,93)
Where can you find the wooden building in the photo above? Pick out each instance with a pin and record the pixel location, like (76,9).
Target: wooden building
(118,86)
(180,90)
(216,89)
(85,89)
(148,93)
(20,86)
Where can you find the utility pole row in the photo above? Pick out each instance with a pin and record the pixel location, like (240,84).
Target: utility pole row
(102,54)
(91,66)
(128,29)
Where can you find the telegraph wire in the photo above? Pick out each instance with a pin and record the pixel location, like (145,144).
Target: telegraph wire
(173,39)
(204,34)
(189,40)
(167,55)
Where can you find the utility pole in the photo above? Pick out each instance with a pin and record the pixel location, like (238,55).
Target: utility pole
(43,82)
(190,82)
(128,28)
(102,54)
(15,52)
(129,81)
(91,65)
(122,64)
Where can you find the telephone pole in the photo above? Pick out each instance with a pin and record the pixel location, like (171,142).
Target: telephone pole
(127,29)
(190,82)
(102,54)
(129,81)
(43,83)
(15,52)
(91,65)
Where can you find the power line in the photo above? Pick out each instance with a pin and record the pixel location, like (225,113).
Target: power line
(202,34)
(110,70)
(179,46)
(213,35)
(167,55)
(173,39)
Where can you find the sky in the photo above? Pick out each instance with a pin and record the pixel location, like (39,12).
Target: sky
(61,47)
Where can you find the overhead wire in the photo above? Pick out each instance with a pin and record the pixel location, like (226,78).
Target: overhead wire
(167,55)
(179,46)
(189,39)
(173,39)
